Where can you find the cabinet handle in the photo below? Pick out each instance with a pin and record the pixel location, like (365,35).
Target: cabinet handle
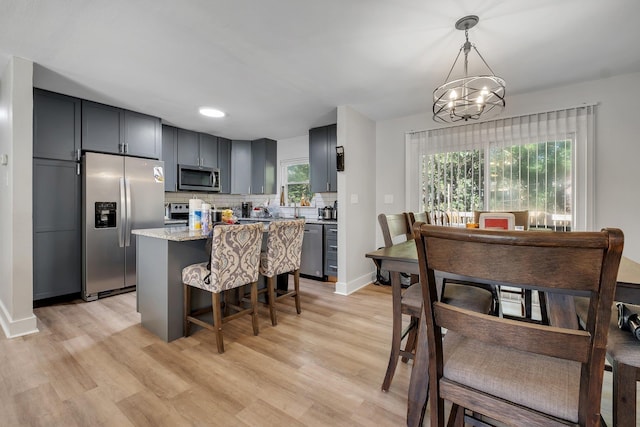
(333,247)
(126,148)
(327,186)
(263,189)
(78,169)
(333,267)
(78,155)
(333,230)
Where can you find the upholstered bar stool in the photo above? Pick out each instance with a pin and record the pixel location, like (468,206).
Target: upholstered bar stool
(235,257)
(284,250)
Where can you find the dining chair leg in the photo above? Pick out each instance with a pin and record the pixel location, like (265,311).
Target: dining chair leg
(271,296)
(186,309)
(217,320)
(254,307)
(296,287)
(412,337)
(396,334)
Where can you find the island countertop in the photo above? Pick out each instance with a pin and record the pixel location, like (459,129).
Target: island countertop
(176,234)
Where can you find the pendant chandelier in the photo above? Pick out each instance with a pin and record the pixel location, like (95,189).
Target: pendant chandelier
(469,97)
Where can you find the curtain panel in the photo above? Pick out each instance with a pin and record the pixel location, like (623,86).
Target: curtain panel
(573,124)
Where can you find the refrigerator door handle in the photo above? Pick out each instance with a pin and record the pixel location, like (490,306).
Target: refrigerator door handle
(127,235)
(122,215)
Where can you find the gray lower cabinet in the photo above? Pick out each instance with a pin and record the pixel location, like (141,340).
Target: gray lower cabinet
(323,174)
(57,266)
(169,156)
(108,129)
(56,126)
(240,167)
(224,164)
(331,250)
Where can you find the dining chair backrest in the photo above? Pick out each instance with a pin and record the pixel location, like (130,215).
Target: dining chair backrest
(497,220)
(561,379)
(394,228)
(521,218)
(413,217)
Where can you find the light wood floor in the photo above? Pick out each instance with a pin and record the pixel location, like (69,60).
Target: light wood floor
(92,364)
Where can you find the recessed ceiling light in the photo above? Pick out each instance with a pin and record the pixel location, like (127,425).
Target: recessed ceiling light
(211,112)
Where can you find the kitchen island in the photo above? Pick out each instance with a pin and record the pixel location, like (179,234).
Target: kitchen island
(161,254)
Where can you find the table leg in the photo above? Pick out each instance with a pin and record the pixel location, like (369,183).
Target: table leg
(624,395)
(419,382)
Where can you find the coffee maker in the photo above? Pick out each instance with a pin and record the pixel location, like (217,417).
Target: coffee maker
(247,207)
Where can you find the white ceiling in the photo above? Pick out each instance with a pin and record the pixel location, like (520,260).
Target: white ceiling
(279,67)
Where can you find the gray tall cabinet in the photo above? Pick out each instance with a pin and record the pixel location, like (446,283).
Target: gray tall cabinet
(253,166)
(57,258)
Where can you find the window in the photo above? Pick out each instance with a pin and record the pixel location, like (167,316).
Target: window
(295,180)
(540,163)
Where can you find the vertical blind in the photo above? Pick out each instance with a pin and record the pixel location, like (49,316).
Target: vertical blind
(541,162)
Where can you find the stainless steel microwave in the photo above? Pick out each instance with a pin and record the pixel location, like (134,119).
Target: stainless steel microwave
(198,178)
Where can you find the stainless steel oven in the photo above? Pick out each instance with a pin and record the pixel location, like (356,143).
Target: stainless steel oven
(198,178)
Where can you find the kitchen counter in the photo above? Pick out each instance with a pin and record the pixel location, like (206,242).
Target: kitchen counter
(309,220)
(176,234)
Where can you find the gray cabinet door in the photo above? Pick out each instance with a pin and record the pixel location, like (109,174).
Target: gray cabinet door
(263,166)
(57,259)
(318,169)
(258,156)
(102,128)
(188,148)
(323,175)
(240,167)
(224,164)
(331,250)
(208,150)
(332,171)
(142,135)
(169,155)
(56,126)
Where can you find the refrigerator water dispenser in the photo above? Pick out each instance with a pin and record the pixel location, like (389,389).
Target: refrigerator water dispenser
(105,214)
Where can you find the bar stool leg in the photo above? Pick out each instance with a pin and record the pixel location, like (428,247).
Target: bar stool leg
(296,286)
(254,307)
(217,321)
(271,295)
(186,310)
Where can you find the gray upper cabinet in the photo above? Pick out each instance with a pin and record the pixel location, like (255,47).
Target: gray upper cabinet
(323,174)
(169,156)
(240,167)
(197,149)
(208,150)
(224,164)
(142,135)
(57,223)
(263,166)
(56,126)
(108,129)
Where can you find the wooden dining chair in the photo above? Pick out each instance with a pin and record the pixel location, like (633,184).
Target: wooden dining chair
(409,302)
(282,256)
(516,372)
(623,353)
(235,258)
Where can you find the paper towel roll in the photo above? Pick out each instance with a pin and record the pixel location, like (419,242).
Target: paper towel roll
(194,214)
(205,214)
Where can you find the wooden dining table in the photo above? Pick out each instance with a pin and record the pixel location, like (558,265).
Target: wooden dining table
(403,258)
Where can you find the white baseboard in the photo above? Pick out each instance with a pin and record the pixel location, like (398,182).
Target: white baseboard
(343,288)
(17,328)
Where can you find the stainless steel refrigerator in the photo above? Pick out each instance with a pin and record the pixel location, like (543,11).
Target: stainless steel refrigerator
(119,194)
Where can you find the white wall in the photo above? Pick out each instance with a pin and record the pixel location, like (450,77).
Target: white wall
(356,199)
(617,152)
(16,241)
